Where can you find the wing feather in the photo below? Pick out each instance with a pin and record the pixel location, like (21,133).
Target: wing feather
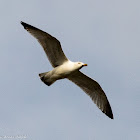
(94,90)
(50,44)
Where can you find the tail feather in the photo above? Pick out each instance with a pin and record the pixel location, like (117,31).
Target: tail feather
(42,74)
(45,80)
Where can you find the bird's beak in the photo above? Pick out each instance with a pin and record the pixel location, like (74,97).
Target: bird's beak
(85,65)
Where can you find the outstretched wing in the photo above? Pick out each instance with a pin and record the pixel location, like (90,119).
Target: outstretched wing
(94,90)
(50,44)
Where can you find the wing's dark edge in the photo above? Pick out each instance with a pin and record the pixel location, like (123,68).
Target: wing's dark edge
(28,26)
(94,90)
(50,44)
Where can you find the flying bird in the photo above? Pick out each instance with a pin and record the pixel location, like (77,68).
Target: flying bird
(64,68)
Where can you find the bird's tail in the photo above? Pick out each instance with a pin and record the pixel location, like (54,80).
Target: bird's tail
(45,79)
(41,75)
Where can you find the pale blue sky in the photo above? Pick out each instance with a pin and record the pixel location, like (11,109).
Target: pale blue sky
(105,34)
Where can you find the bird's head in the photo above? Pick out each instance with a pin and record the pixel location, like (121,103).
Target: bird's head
(79,65)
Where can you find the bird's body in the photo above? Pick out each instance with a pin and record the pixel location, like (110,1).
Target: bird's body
(64,68)
(60,72)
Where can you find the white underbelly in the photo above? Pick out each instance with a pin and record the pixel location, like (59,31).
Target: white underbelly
(60,72)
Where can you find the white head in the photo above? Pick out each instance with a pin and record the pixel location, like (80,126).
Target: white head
(79,65)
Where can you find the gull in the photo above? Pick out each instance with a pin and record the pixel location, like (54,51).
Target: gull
(64,68)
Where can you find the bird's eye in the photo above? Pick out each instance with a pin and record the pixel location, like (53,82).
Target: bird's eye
(79,63)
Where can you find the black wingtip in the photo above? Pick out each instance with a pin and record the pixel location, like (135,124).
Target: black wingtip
(27,26)
(24,24)
(111,116)
(109,113)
